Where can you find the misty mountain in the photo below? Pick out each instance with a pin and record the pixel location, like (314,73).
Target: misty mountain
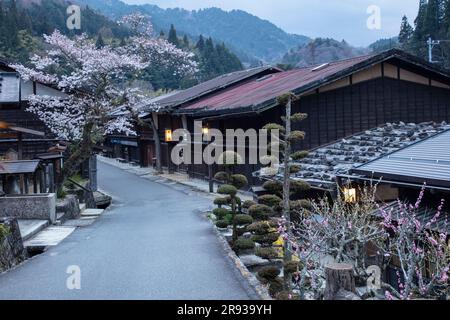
(247,35)
(321,51)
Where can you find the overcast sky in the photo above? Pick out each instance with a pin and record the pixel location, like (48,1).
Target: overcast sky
(339,19)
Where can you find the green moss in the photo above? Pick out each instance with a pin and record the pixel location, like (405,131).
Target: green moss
(260,211)
(243,219)
(227,189)
(269,200)
(4,232)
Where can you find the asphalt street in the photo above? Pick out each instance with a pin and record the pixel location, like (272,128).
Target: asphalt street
(152,243)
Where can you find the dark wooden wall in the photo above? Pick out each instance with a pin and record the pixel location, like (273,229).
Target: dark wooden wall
(336,114)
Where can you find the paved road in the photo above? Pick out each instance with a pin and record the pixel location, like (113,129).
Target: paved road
(152,243)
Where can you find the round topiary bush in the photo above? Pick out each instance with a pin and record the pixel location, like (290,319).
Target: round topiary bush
(222,224)
(222,176)
(221,213)
(275,187)
(294,168)
(270,200)
(239,180)
(243,219)
(260,211)
(267,253)
(299,186)
(227,189)
(259,228)
(243,244)
(291,267)
(266,239)
(275,286)
(248,203)
(298,205)
(287,295)
(268,273)
(221,202)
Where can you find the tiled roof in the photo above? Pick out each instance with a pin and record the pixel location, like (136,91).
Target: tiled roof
(210,86)
(425,161)
(323,164)
(255,92)
(259,94)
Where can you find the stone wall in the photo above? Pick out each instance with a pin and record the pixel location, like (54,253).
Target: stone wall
(12,251)
(38,206)
(70,206)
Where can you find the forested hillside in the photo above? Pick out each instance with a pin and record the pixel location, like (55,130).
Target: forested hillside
(432,21)
(23,22)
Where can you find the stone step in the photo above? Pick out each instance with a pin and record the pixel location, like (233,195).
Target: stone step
(92,213)
(50,236)
(82,207)
(29,228)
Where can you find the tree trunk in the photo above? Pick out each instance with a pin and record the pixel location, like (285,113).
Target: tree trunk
(286,193)
(157,145)
(338,276)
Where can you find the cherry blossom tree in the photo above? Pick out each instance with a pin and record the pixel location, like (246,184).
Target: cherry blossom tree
(97,82)
(421,248)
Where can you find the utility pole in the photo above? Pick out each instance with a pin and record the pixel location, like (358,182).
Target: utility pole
(431,43)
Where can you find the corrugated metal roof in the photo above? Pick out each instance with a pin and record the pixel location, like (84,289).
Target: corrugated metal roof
(425,161)
(18,167)
(256,92)
(9,87)
(212,85)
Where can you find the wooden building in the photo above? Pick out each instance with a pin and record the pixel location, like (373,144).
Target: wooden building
(341,98)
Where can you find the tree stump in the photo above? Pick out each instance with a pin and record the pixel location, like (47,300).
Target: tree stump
(338,276)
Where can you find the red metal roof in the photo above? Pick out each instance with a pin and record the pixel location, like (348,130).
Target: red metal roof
(255,92)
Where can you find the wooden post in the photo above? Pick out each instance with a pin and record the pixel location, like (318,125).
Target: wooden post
(210,178)
(338,276)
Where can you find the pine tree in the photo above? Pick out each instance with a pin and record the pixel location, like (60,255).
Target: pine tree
(432,19)
(185,41)
(406,32)
(200,44)
(173,38)
(162,35)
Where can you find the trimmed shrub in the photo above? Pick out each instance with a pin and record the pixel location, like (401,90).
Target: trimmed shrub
(243,244)
(221,202)
(248,203)
(239,180)
(273,186)
(243,219)
(269,273)
(287,295)
(298,205)
(266,239)
(267,253)
(297,117)
(291,266)
(274,126)
(296,136)
(270,200)
(259,228)
(220,213)
(222,224)
(227,189)
(294,168)
(299,186)
(260,211)
(222,176)
(299,155)
(275,286)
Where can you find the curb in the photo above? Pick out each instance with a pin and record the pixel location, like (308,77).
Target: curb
(254,284)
